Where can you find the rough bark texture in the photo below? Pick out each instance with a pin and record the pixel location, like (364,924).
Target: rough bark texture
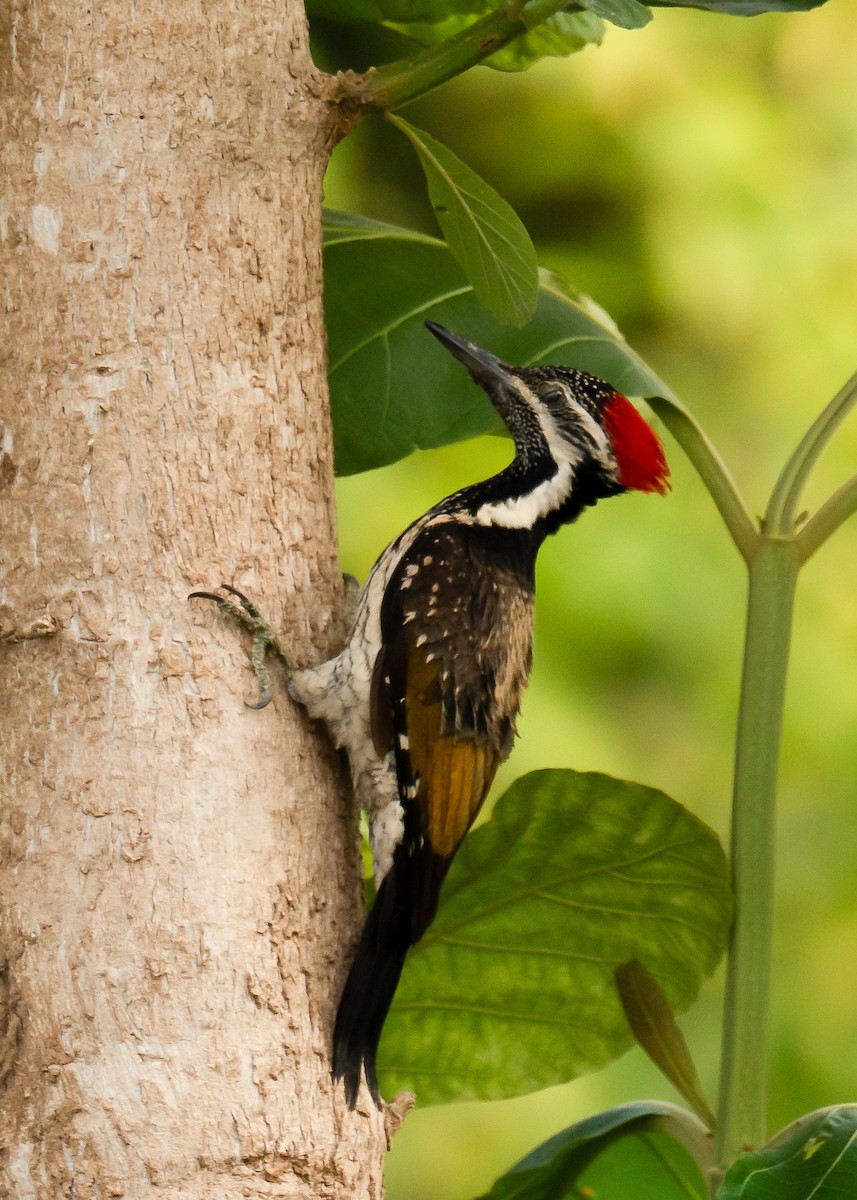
(177,877)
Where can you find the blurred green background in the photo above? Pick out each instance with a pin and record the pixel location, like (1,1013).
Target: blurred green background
(699,179)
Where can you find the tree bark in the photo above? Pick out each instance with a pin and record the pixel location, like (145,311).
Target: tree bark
(178,874)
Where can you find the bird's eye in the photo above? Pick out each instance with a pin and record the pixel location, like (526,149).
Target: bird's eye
(549,393)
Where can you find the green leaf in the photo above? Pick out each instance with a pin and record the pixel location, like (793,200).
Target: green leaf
(483,232)
(512,987)
(741,8)
(627,14)
(644,1166)
(358,12)
(816,1159)
(558,36)
(548,1172)
(392,388)
(654,1027)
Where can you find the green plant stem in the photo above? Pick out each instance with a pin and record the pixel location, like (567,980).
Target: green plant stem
(785,497)
(841,505)
(387,88)
(774,557)
(773,570)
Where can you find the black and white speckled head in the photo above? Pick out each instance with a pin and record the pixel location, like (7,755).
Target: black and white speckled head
(568,418)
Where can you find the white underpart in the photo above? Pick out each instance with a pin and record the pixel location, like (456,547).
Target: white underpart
(337,692)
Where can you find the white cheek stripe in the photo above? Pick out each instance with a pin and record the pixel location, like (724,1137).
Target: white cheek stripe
(560,448)
(599,437)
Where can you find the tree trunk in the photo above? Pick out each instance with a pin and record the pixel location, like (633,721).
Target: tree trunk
(178,874)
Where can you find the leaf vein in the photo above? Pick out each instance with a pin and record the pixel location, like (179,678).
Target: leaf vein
(400,320)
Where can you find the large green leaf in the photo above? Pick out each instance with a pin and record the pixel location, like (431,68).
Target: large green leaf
(483,232)
(816,1161)
(652,1143)
(512,987)
(393,388)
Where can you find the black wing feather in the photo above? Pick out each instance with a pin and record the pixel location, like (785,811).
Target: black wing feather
(435,702)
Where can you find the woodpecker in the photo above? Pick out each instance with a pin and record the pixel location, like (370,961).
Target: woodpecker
(425,694)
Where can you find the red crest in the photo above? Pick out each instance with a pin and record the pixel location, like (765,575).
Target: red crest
(639,453)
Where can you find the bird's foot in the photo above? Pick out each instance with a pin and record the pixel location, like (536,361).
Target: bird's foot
(265,641)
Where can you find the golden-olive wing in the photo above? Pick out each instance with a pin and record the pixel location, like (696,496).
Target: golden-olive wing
(452,774)
(454,660)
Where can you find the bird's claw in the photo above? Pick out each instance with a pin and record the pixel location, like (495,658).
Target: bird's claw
(264,638)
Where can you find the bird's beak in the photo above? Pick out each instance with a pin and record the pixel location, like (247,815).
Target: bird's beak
(486,369)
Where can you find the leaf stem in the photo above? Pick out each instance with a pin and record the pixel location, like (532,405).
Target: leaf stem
(389,87)
(782,509)
(742,1117)
(711,469)
(841,505)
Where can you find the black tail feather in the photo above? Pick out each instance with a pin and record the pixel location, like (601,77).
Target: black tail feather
(370,987)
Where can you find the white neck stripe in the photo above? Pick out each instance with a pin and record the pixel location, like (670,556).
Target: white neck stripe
(522,512)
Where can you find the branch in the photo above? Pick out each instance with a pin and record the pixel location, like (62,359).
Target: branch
(386,88)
